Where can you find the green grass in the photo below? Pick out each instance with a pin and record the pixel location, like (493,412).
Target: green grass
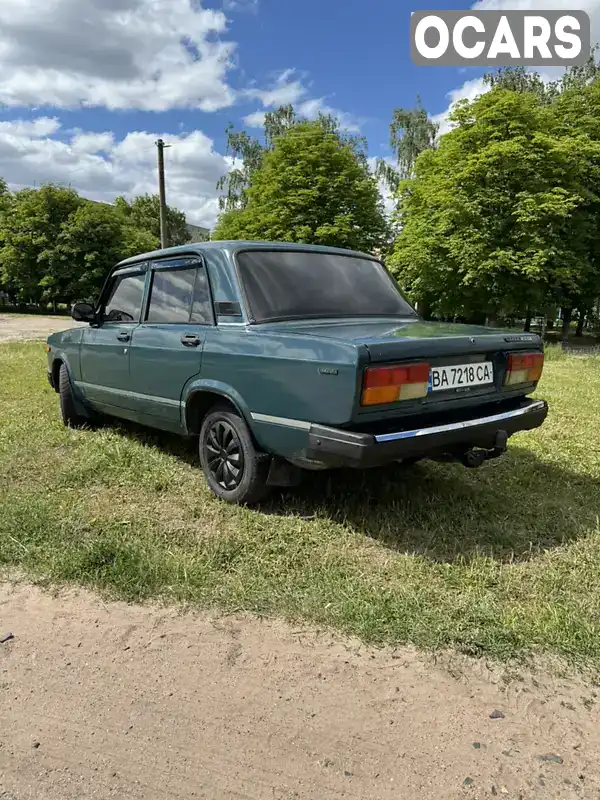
(504,560)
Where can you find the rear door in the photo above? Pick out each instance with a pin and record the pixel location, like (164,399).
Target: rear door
(166,348)
(105,378)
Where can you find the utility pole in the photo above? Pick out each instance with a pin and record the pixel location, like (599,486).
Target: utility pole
(161,193)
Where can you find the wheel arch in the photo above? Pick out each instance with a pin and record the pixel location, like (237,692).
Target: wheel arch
(201,398)
(57,363)
(59,359)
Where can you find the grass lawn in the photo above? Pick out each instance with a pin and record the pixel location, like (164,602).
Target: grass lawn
(504,560)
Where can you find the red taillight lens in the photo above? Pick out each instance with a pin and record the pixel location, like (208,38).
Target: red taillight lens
(524,368)
(398,382)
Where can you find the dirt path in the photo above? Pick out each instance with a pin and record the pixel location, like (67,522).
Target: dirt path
(32,326)
(114,701)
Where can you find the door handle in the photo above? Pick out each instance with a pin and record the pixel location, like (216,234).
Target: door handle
(190,340)
(123,336)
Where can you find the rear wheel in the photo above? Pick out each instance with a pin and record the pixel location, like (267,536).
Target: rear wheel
(68,408)
(233,468)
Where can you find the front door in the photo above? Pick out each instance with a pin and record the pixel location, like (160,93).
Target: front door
(105,378)
(166,348)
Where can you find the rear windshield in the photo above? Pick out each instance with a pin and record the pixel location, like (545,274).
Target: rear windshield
(283,284)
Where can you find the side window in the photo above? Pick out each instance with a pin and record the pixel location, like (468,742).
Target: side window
(124,302)
(171,295)
(202,308)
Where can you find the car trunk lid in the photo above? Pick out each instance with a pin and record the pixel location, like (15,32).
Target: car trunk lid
(399,341)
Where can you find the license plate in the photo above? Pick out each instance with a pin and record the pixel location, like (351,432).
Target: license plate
(461,376)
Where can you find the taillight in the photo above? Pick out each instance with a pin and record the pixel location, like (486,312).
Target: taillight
(524,368)
(399,382)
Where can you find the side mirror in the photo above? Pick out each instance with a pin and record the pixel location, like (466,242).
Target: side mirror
(83,312)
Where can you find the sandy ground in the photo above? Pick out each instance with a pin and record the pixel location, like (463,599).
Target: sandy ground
(21,328)
(105,700)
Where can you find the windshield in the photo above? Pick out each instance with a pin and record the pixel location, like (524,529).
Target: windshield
(290,284)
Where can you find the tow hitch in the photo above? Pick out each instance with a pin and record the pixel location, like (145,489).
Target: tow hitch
(476,457)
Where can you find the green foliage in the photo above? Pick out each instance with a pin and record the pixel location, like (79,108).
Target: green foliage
(312,185)
(137,240)
(143,213)
(56,247)
(521,79)
(31,225)
(502,219)
(248,152)
(89,244)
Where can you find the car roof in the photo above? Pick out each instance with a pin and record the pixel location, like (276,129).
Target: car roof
(234,246)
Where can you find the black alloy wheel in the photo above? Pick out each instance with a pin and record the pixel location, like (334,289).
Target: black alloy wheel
(224,455)
(234,468)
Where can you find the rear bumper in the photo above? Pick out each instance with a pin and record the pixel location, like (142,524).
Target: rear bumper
(336,447)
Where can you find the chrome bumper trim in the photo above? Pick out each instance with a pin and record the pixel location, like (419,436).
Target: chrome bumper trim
(455,426)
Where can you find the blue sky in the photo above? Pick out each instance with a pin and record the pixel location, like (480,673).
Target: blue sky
(88,85)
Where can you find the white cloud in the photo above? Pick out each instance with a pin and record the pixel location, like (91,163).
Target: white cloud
(144,54)
(468,91)
(288,88)
(101,168)
(284,89)
(255,120)
(92,142)
(250,6)
(43,126)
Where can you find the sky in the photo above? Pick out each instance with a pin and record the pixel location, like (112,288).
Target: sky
(90,85)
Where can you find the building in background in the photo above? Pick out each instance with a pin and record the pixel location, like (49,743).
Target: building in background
(197,233)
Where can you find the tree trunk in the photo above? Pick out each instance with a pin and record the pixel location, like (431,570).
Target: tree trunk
(580,324)
(527,327)
(424,309)
(567,314)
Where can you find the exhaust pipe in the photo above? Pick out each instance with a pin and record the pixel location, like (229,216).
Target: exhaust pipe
(474,458)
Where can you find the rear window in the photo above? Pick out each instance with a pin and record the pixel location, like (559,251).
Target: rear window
(282,284)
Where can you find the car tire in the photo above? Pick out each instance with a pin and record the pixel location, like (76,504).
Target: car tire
(68,409)
(235,471)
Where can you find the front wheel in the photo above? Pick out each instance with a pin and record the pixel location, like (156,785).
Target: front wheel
(233,468)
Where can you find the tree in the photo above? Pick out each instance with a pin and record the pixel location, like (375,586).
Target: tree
(521,79)
(89,244)
(137,240)
(497,220)
(248,152)
(5,201)
(143,212)
(574,99)
(411,133)
(577,110)
(32,223)
(312,185)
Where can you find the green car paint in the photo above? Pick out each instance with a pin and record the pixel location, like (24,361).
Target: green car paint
(282,376)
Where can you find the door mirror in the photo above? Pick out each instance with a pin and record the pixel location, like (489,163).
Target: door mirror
(83,312)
